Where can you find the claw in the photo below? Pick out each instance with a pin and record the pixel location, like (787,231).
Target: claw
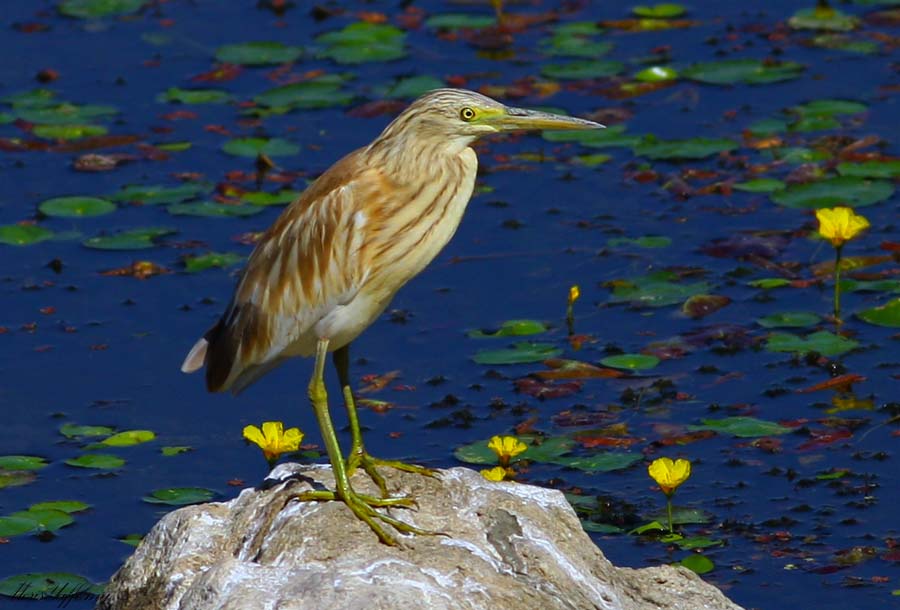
(368,463)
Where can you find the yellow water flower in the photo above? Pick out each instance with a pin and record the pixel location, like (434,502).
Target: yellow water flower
(273,439)
(840,224)
(574,293)
(506,448)
(497,473)
(668,474)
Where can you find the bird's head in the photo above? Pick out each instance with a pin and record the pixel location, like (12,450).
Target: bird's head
(462,116)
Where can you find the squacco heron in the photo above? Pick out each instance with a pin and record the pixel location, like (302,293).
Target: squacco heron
(334,259)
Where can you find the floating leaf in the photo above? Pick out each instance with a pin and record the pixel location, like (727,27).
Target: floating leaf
(194,96)
(211,209)
(159,194)
(21,462)
(631,362)
(612,136)
(699,564)
(180,496)
(828,108)
(647,241)
(128,438)
(323,92)
(871,169)
(600,528)
(655,290)
(135,239)
(548,449)
(77,431)
(789,319)
(412,87)
(23,235)
(512,328)
(363,42)
(574,369)
(822,342)
(457,21)
(100,461)
(131,539)
(694,148)
(15,478)
(841,190)
(845,43)
(760,185)
(519,354)
(253,147)
(193,264)
(659,11)
(656,74)
(600,462)
(576,40)
(747,71)
(702,305)
(15,526)
(64,114)
(68,132)
(769,283)
(66,506)
(47,585)
(95,9)
(823,18)
(743,427)
(175,450)
(884,315)
(260,53)
(697,542)
(76,207)
(582,69)
(263,198)
(45,520)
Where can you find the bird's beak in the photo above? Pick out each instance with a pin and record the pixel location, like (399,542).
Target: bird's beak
(520,118)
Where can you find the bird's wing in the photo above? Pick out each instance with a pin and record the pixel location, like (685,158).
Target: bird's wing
(308,262)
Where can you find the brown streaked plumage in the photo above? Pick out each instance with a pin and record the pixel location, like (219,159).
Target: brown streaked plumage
(330,264)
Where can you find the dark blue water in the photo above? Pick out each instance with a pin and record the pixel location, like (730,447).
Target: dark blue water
(109,352)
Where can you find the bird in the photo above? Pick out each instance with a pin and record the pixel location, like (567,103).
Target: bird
(330,264)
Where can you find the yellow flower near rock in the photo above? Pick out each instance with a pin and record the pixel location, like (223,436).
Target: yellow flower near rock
(841,224)
(496,474)
(669,474)
(273,439)
(506,448)
(574,293)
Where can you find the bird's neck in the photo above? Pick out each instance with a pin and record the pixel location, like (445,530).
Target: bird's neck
(406,157)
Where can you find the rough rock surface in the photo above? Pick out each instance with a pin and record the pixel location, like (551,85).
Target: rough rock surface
(508,547)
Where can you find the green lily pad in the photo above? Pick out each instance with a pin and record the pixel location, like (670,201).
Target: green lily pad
(839,190)
(180,496)
(655,290)
(68,132)
(23,235)
(698,564)
(66,506)
(520,353)
(871,169)
(253,147)
(128,438)
(656,74)
(768,127)
(132,539)
(78,431)
(789,319)
(842,42)
(593,527)
(135,239)
(823,18)
(694,148)
(33,98)
(576,40)
(193,264)
(174,146)
(822,342)
(65,114)
(16,526)
(323,92)
(829,107)
(45,520)
(769,283)
(608,461)
(47,585)
(745,71)
(799,154)
(363,42)
(412,87)
(659,11)
(101,461)
(582,69)
(458,21)
(260,53)
(175,450)
(630,362)
(697,542)
(76,207)
(211,209)
(544,451)
(512,328)
(760,185)
(884,315)
(743,427)
(96,9)
(159,194)
(647,241)
(194,96)
(21,462)
(264,198)
(611,137)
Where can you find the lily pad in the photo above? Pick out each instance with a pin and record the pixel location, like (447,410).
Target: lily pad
(745,71)
(100,461)
(64,114)
(457,21)
(15,526)
(656,74)
(631,362)
(884,315)
(127,438)
(45,520)
(654,290)
(77,431)
(66,506)
(789,319)
(520,353)
(193,264)
(822,342)
(323,92)
(612,136)
(702,305)
(175,450)
(829,107)
(840,190)
(194,96)
(659,11)
(760,185)
(543,450)
(76,207)
(582,69)
(512,328)
(600,462)
(871,169)
(134,239)
(160,194)
(699,564)
(180,496)
(260,53)
(743,427)
(68,132)
(253,147)
(363,42)
(769,283)
(412,87)
(21,462)
(96,9)
(23,235)
(647,241)
(47,585)
(211,209)
(823,18)
(694,148)
(264,198)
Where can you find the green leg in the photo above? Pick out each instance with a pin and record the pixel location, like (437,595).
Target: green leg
(361,505)
(358,454)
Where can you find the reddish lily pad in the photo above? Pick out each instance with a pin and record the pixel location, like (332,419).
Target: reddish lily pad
(702,305)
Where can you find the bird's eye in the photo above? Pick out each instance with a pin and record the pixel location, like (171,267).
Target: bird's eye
(467,114)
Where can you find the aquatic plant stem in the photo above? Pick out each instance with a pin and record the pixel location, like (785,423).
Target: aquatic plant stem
(837,283)
(669,512)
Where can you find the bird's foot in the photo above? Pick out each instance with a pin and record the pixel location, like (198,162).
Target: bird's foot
(362,459)
(363,506)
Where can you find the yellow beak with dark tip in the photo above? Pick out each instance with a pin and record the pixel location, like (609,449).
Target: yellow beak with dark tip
(511,119)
